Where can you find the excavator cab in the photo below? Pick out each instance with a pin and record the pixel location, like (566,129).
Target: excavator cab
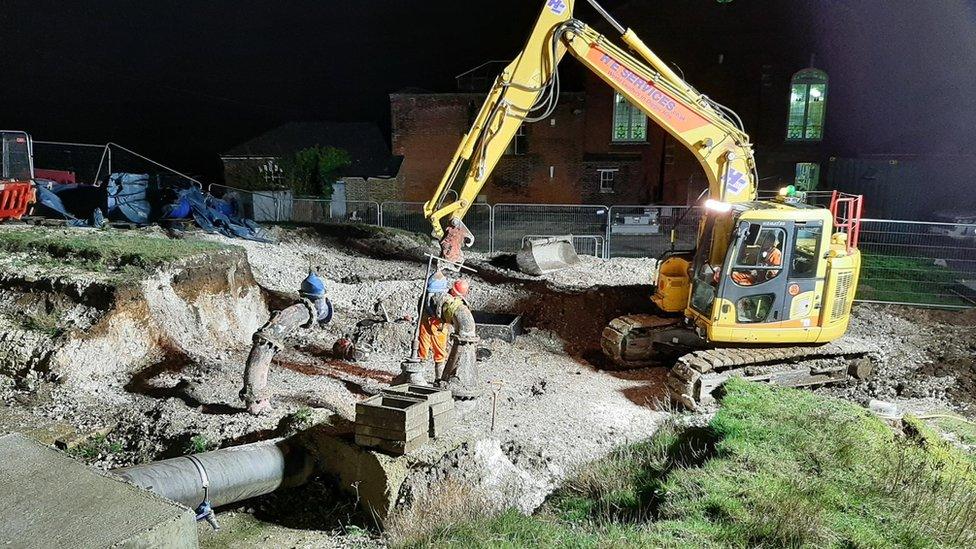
(764,273)
(17,191)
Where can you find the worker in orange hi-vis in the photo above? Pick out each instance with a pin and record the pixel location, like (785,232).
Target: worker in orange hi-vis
(770,256)
(439,311)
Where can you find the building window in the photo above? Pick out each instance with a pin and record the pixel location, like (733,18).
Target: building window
(272,172)
(519,144)
(629,123)
(607,178)
(808,105)
(807,176)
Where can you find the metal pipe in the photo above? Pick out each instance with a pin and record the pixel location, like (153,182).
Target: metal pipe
(225,476)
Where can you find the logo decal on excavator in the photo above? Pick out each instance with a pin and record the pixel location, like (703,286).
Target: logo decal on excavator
(675,114)
(736,182)
(556,6)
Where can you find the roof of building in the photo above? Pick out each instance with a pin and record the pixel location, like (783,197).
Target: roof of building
(362,140)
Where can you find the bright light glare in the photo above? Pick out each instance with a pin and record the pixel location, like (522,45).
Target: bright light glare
(815,93)
(717,206)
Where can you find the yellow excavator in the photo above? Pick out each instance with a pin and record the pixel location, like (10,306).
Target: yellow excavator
(767,292)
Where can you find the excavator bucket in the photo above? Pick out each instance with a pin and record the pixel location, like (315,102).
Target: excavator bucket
(539,256)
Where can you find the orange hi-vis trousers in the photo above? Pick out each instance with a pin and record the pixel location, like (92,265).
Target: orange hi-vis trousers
(432,336)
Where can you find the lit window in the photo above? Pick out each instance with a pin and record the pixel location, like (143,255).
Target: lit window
(607,178)
(807,176)
(629,123)
(808,101)
(519,144)
(271,171)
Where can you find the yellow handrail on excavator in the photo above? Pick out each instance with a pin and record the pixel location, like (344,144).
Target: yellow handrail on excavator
(528,89)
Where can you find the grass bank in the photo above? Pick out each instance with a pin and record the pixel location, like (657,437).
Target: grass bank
(100,251)
(774,468)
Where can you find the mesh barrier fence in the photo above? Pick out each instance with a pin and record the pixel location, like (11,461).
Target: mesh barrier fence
(645,231)
(409,216)
(918,263)
(515,221)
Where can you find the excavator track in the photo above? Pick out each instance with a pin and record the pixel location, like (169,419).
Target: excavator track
(633,341)
(695,376)
(639,341)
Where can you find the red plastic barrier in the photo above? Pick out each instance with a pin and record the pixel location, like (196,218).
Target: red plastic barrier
(15,198)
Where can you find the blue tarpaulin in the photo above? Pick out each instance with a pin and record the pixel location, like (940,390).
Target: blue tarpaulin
(127,199)
(212,215)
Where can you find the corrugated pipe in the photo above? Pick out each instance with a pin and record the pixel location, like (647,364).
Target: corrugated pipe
(225,476)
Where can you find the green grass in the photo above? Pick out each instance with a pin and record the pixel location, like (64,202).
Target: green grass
(906,280)
(197,444)
(91,449)
(106,251)
(774,468)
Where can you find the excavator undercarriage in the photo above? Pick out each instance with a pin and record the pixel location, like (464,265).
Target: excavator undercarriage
(697,369)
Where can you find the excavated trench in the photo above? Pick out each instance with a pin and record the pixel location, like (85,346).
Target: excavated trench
(172,347)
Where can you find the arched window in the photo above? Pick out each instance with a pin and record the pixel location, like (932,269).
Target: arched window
(808,105)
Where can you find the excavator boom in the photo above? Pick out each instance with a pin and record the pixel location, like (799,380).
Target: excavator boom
(528,89)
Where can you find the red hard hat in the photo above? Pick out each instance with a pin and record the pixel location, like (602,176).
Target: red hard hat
(460,287)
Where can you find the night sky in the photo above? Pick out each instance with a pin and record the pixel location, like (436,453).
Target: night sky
(184,81)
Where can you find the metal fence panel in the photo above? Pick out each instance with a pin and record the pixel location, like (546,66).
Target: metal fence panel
(918,263)
(316,211)
(514,221)
(409,216)
(645,231)
(584,245)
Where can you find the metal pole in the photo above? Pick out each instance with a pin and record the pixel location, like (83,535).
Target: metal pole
(606,15)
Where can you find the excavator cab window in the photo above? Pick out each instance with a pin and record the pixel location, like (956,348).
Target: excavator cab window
(709,258)
(760,254)
(806,244)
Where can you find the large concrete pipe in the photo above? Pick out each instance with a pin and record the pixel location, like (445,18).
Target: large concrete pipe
(461,371)
(225,476)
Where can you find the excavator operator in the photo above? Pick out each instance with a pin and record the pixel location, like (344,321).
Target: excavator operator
(769,256)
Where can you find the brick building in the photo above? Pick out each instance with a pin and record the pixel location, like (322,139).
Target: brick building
(598,149)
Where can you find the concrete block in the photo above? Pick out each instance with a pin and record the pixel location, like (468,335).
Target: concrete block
(48,499)
(373,477)
(443,423)
(395,447)
(392,412)
(391,434)
(439,402)
(433,395)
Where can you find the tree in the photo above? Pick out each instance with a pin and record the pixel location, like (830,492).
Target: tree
(313,170)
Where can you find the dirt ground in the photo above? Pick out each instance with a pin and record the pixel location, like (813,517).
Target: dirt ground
(548,407)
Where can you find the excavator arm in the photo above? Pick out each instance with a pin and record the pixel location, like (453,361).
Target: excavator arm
(528,90)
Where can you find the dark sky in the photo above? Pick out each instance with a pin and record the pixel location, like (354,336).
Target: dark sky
(183,81)
(187,80)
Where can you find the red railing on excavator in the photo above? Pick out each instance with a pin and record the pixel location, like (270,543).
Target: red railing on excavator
(847,209)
